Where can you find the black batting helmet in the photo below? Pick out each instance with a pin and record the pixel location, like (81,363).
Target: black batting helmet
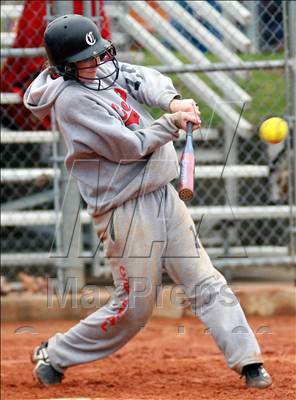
(71,38)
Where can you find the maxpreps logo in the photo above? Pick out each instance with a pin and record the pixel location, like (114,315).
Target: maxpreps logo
(90,39)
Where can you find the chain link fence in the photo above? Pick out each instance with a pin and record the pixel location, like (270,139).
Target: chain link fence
(233,58)
(26,174)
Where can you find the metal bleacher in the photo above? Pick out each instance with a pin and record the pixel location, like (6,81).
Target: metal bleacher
(18,216)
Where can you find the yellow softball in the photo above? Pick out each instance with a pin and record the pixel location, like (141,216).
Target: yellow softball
(274,130)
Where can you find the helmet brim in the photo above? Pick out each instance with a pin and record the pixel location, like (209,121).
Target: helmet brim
(92,51)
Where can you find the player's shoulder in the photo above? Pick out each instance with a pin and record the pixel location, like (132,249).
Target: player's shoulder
(76,98)
(73,94)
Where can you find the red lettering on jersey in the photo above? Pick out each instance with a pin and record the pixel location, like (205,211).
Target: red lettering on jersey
(120,111)
(125,106)
(134,118)
(122,93)
(127,114)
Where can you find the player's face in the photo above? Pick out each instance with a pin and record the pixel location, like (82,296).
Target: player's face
(87,69)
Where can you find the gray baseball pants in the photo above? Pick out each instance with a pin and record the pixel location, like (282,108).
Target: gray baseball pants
(141,237)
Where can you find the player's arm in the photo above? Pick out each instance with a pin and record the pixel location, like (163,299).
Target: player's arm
(149,86)
(90,126)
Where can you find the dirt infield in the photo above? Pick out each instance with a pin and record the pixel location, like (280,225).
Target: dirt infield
(169,359)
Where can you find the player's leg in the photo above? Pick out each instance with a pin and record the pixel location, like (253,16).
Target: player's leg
(136,268)
(211,299)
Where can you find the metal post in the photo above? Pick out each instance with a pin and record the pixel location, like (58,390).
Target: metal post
(230,184)
(253,27)
(87,8)
(292,56)
(56,190)
(289,11)
(87,11)
(97,13)
(72,264)
(62,7)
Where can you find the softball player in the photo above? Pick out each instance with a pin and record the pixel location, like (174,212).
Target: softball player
(124,162)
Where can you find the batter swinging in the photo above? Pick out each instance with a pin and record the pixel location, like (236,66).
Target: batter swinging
(124,162)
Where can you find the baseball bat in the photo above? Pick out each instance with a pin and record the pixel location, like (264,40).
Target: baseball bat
(187,164)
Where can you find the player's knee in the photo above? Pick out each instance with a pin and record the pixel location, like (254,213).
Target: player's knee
(206,269)
(211,276)
(138,316)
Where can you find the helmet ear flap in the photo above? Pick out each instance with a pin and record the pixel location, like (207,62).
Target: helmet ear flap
(66,71)
(69,70)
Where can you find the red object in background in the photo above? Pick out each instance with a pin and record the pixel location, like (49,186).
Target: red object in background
(18,73)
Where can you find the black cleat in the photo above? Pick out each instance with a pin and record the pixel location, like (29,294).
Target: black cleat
(256,376)
(44,371)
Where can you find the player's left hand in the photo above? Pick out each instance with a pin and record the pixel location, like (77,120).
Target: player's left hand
(186,105)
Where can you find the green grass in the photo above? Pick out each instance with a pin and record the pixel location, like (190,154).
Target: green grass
(266,87)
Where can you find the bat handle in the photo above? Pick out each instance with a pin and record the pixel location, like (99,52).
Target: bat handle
(189,128)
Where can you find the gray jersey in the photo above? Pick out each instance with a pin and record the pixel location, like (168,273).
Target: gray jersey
(115,148)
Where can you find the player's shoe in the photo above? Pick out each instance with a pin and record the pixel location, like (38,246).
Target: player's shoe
(44,372)
(256,376)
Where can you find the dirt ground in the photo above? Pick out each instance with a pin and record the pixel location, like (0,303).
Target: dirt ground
(169,359)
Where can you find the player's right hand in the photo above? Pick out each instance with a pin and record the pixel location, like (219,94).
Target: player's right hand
(186,105)
(181,118)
